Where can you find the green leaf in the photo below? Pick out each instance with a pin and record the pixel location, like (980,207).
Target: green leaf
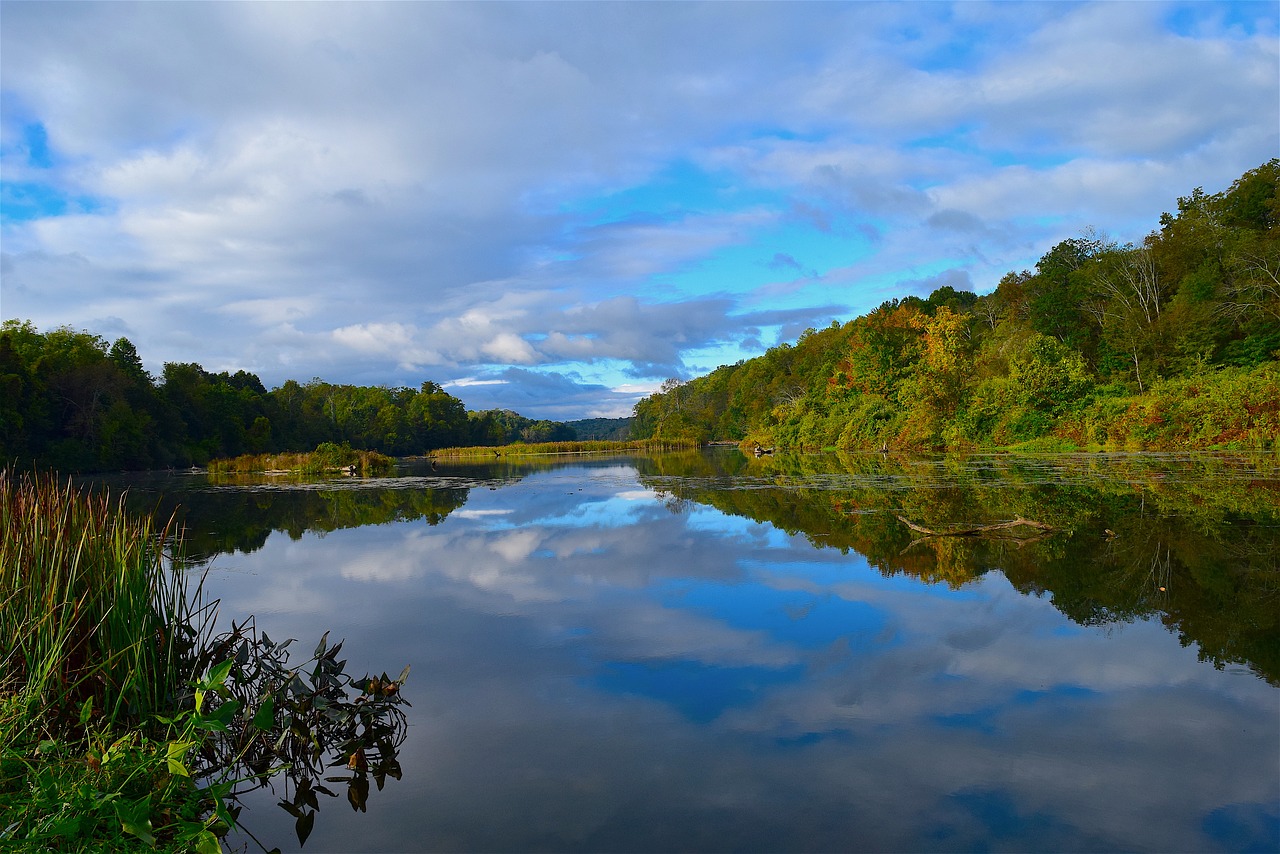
(218,674)
(207,843)
(135,819)
(86,711)
(266,714)
(320,647)
(174,755)
(220,718)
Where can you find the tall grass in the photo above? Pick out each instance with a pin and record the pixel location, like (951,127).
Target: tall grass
(521,449)
(93,609)
(328,457)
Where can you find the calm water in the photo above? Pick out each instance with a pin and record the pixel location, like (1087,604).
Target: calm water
(709,652)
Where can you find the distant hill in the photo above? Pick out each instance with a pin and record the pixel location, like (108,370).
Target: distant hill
(609,429)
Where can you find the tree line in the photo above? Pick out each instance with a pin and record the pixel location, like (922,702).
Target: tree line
(72,402)
(1173,343)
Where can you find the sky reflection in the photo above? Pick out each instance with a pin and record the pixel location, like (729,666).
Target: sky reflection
(597,667)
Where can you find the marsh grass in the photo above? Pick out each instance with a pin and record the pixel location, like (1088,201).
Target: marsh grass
(328,457)
(93,608)
(521,449)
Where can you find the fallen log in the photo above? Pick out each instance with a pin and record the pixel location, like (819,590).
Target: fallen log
(977,530)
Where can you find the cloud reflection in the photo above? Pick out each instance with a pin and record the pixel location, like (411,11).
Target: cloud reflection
(593,672)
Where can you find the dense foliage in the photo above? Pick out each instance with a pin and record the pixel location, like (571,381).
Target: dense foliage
(73,402)
(1171,344)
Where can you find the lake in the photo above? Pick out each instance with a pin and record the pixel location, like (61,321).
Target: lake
(710,652)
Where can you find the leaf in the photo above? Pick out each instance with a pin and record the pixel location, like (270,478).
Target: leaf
(86,711)
(174,755)
(303,826)
(68,826)
(333,653)
(358,792)
(320,647)
(218,674)
(226,711)
(404,674)
(207,843)
(265,717)
(211,725)
(136,820)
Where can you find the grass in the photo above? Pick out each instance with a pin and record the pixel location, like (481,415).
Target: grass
(521,449)
(90,602)
(328,457)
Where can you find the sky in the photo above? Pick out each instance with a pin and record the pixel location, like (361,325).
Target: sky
(553,207)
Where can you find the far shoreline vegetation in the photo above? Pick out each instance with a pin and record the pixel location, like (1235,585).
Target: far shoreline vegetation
(327,458)
(531,449)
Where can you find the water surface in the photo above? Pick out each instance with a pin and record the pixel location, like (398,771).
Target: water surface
(710,652)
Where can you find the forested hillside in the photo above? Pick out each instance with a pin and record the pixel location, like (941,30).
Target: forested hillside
(1173,343)
(71,402)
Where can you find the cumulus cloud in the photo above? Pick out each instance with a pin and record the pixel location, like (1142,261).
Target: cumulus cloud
(374,192)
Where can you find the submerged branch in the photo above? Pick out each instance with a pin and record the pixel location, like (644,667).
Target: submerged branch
(978,530)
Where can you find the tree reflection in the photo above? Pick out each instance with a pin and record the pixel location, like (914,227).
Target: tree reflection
(1191,541)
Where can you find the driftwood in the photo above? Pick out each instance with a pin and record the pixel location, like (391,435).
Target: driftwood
(977,530)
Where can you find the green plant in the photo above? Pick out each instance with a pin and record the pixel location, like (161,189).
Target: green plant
(103,789)
(304,719)
(106,739)
(94,608)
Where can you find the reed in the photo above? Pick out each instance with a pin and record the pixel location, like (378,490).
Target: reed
(95,615)
(327,457)
(521,449)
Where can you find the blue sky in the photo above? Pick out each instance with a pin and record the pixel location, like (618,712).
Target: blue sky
(552,207)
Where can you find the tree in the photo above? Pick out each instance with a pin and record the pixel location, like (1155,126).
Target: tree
(1129,294)
(934,391)
(1058,290)
(125,357)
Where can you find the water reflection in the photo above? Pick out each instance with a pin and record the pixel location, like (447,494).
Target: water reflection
(718,653)
(1192,540)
